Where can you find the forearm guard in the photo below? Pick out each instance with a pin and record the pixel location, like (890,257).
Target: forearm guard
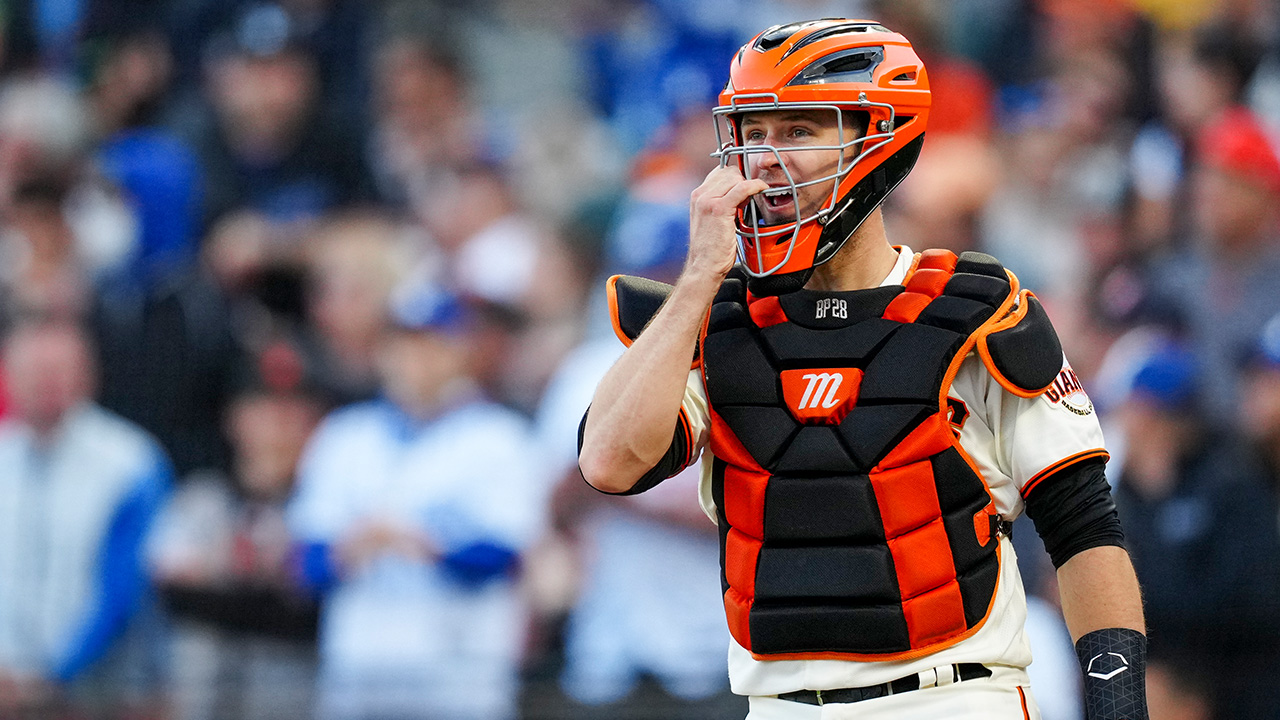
(1114,662)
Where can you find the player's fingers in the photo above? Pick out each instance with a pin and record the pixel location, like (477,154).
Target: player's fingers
(743,190)
(718,182)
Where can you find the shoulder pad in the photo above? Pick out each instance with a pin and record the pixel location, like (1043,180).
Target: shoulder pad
(1022,351)
(979,264)
(633,301)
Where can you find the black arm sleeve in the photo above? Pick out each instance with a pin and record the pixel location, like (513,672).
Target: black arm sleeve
(675,459)
(1073,510)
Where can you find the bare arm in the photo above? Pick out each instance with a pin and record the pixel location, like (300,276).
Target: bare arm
(1103,609)
(634,411)
(1099,590)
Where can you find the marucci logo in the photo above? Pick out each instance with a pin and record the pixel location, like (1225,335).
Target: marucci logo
(820,395)
(829,382)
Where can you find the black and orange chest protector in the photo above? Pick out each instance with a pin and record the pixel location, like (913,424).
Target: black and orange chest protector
(852,523)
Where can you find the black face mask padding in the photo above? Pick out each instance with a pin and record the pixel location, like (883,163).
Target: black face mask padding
(865,197)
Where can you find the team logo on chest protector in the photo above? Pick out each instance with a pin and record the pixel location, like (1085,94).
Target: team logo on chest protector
(821,395)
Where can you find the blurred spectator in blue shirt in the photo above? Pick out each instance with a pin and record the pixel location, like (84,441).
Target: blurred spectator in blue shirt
(152,177)
(79,488)
(414,511)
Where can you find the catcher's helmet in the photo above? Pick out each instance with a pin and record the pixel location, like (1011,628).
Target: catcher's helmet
(871,78)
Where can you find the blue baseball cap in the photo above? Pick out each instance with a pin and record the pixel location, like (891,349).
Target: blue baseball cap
(1169,377)
(424,307)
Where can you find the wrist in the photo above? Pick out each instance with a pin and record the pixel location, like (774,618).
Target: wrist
(1114,663)
(702,278)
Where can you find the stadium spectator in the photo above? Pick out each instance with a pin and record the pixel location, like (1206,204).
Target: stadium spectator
(168,357)
(425,121)
(329,293)
(244,630)
(79,488)
(44,272)
(414,510)
(141,219)
(354,261)
(1201,527)
(269,148)
(495,250)
(1227,283)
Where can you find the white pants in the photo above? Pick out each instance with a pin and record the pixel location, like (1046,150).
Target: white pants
(1006,695)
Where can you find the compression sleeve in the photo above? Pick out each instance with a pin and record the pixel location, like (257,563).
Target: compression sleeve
(122,581)
(1073,510)
(677,457)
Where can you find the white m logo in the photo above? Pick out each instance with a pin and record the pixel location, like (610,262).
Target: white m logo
(818,384)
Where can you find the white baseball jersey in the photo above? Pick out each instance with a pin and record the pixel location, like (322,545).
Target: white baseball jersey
(1015,442)
(400,635)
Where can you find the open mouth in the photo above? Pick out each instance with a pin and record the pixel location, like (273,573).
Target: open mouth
(778,197)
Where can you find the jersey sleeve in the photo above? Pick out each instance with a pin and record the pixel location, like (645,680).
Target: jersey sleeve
(1038,436)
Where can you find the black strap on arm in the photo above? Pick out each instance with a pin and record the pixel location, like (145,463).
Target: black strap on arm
(673,461)
(1073,510)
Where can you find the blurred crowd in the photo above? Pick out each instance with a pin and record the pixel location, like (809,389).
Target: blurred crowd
(302,302)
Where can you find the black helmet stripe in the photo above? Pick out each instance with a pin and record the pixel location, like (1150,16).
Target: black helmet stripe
(841,29)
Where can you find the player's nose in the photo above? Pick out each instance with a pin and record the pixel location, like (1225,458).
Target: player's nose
(767,161)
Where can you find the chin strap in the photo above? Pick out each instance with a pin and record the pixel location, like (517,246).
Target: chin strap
(1114,661)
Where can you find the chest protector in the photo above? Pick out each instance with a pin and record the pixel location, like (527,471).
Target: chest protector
(852,523)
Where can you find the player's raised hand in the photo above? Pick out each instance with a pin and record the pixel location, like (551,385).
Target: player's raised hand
(712,207)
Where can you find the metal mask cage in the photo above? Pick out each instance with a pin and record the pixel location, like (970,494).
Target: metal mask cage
(749,217)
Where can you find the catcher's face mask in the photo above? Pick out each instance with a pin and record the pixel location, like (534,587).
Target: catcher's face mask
(863,92)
